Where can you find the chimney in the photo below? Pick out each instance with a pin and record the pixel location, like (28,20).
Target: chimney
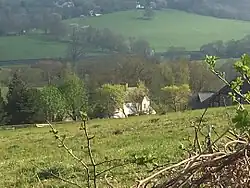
(126,86)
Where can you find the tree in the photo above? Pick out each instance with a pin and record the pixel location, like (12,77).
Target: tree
(2,108)
(20,102)
(140,47)
(148,13)
(176,96)
(136,95)
(110,98)
(180,72)
(75,48)
(201,78)
(75,94)
(53,103)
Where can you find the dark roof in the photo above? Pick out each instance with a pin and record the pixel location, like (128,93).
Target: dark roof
(204,95)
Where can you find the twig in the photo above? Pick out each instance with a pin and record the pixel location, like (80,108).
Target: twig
(107,181)
(39,180)
(111,168)
(71,153)
(90,152)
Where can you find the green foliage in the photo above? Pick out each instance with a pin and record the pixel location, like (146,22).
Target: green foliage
(238,94)
(21,102)
(177,96)
(53,103)
(110,98)
(242,120)
(75,94)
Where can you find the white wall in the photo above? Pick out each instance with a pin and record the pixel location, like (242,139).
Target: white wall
(145,104)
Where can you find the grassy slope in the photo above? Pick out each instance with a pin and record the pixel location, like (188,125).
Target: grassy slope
(156,135)
(170,27)
(24,47)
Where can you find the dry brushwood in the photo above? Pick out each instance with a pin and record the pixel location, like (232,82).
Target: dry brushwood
(221,169)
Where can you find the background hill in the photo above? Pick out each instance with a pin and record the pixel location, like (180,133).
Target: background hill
(169,28)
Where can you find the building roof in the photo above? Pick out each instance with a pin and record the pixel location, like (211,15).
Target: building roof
(204,95)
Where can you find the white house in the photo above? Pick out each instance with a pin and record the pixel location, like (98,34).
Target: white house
(139,6)
(129,108)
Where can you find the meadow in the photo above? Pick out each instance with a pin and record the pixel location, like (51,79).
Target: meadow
(27,152)
(30,47)
(169,28)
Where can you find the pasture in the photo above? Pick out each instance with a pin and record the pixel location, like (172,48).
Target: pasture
(27,47)
(169,28)
(27,152)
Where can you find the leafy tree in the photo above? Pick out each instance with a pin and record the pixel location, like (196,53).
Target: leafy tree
(53,103)
(20,102)
(181,72)
(75,94)
(110,98)
(176,96)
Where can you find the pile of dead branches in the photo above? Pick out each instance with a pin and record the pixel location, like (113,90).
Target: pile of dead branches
(230,168)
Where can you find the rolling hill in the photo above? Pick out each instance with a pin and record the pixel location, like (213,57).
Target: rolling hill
(167,28)
(158,136)
(170,28)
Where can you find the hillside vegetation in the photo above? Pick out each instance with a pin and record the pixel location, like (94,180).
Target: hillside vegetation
(169,28)
(159,136)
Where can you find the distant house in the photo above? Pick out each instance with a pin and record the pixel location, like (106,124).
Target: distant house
(67,4)
(139,6)
(217,99)
(131,109)
(197,100)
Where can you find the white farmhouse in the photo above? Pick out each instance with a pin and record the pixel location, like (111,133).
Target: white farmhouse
(131,109)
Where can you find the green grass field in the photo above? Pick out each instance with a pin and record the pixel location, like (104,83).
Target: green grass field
(170,28)
(25,47)
(159,136)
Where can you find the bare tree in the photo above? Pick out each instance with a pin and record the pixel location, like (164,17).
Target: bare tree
(76,46)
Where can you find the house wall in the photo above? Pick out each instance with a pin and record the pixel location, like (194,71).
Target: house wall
(145,105)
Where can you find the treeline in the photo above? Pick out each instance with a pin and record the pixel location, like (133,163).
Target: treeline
(53,91)
(228,49)
(229,9)
(81,41)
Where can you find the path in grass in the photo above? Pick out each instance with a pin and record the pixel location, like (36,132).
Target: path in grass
(170,28)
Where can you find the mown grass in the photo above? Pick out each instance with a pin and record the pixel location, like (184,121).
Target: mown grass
(159,136)
(170,28)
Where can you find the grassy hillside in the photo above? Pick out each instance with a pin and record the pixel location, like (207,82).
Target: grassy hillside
(24,47)
(170,28)
(159,136)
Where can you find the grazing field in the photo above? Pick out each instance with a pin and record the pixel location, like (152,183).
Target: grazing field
(170,28)
(26,152)
(25,47)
